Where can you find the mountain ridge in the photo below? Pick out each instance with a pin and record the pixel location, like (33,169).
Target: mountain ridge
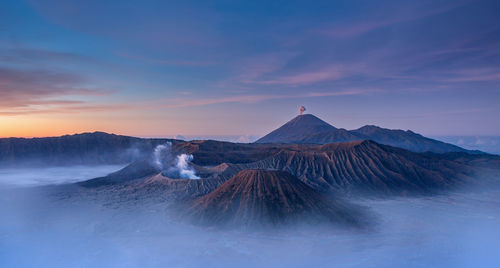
(351,167)
(302,133)
(88,148)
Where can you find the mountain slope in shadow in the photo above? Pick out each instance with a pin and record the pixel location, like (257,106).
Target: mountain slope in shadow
(267,197)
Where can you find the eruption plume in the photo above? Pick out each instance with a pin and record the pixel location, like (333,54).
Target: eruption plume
(301,109)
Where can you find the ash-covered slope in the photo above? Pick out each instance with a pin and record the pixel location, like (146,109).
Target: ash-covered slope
(144,180)
(337,135)
(365,166)
(264,197)
(133,171)
(210,152)
(309,129)
(361,166)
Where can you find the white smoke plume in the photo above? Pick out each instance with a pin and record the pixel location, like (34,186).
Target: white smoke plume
(157,153)
(302,109)
(171,165)
(185,171)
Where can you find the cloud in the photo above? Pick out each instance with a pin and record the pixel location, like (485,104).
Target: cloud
(36,81)
(27,55)
(250,69)
(64,109)
(42,91)
(247,70)
(164,26)
(179,102)
(279,69)
(464,111)
(131,56)
(362,26)
(308,77)
(474,75)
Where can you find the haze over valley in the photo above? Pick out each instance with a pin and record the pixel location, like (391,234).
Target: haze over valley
(287,203)
(338,133)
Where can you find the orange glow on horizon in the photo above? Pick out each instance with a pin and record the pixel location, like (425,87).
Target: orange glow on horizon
(31,126)
(27,127)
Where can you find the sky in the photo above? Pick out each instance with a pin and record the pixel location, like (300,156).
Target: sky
(162,68)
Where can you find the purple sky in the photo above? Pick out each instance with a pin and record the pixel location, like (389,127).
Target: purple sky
(153,68)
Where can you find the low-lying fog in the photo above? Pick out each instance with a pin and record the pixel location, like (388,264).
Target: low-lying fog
(52,175)
(455,230)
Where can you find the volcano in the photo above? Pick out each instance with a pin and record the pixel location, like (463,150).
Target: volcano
(266,197)
(309,129)
(359,167)
(297,128)
(368,167)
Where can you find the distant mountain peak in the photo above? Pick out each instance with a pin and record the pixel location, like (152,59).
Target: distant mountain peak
(295,129)
(309,129)
(370,127)
(304,120)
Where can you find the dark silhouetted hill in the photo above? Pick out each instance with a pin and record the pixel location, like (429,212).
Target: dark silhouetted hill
(86,149)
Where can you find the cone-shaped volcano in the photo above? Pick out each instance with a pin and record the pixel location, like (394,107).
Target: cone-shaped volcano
(296,129)
(264,197)
(307,128)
